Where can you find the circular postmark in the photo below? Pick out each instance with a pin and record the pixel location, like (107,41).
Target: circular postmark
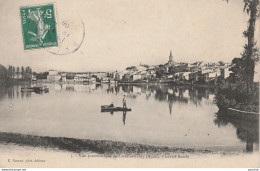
(71,34)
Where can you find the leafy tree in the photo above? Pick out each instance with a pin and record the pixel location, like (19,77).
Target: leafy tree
(22,72)
(28,72)
(132,68)
(3,72)
(221,63)
(160,72)
(13,71)
(10,71)
(17,71)
(171,70)
(245,67)
(160,66)
(42,75)
(180,68)
(238,69)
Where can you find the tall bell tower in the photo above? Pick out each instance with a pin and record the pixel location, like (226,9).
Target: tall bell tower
(170,58)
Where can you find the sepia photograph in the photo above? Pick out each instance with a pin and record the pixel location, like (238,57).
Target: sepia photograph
(129,83)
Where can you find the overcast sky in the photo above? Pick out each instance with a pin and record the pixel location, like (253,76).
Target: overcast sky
(121,33)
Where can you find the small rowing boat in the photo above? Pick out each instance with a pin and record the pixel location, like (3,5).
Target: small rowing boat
(107,108)
(27,89)
(35,89)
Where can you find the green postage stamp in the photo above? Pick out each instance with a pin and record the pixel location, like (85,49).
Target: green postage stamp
(39,26)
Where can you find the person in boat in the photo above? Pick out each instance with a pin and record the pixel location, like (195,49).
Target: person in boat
(111,105)
(124,102)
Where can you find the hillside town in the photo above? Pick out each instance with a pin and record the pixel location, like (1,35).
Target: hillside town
(170,72)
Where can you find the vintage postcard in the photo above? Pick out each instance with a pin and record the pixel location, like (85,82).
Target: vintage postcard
(129,83)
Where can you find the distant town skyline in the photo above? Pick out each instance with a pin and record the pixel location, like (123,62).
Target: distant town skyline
(134,32)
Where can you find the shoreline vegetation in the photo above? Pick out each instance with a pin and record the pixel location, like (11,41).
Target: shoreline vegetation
(106,147)
(235,97)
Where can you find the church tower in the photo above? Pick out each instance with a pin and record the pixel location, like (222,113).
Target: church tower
(170,59)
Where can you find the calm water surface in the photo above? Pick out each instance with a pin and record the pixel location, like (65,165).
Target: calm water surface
(161,115)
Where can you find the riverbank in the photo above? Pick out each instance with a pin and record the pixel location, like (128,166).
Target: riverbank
(19,150)
(106,147)
(235,97)
(254,116)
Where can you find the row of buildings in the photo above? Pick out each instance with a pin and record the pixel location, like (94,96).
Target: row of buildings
(170,71)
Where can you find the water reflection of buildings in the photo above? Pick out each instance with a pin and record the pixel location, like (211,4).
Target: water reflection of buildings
(163,93)
(247,129)
(81,87)
(177,94)
(170,94)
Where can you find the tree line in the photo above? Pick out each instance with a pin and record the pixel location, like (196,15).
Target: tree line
(19,72)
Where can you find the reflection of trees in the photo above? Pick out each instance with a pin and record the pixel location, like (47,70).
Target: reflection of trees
(195,97)
(13,92)
(17,92)
(175,95)
(167,93)
(197,94)
(170,106)
(70,87)
(2,91)
(148,94)
(26,94)
(10,92)
(160,94)
(247,128)
(110,89)
(117,89)
(127,88)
